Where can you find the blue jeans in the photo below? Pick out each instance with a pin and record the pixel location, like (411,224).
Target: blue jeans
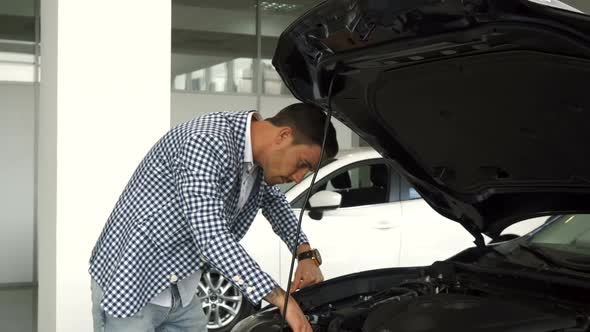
(152,317)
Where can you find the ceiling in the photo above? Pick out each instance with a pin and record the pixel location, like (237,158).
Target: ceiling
(197,39)
(200,42)
(300,5)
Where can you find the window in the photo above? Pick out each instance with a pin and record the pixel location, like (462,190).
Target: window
(19,73)
(407,192)
(284,187)
(577,6)
(214,46)
(272,84)
(16,67)
(275,17)
(361,184)
(569,234)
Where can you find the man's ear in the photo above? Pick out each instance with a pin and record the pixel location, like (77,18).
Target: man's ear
(285,133)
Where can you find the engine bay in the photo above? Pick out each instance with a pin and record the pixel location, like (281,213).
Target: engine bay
(443,298)
(435,304)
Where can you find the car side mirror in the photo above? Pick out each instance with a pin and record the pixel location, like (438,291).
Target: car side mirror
(322,201)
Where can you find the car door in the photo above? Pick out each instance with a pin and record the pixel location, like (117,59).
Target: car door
(427,235)
(363,233)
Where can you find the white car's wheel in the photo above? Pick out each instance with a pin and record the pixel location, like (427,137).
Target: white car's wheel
(222,302)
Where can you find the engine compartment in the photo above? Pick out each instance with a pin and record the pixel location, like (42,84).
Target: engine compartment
(422,308)
(441,297)
(450,301)
(456,312)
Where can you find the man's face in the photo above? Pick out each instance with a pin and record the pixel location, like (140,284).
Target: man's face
(289,162)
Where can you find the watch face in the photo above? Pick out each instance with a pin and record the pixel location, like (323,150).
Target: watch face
(318,256)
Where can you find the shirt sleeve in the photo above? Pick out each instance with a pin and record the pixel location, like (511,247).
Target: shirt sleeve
(200,166)
(277,210)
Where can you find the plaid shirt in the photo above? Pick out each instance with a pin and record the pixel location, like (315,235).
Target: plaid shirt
(179,213)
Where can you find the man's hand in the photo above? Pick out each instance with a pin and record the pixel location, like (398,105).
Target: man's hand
(307,273)
(295,317)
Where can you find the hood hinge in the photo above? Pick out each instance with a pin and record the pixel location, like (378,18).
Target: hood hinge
(475,231)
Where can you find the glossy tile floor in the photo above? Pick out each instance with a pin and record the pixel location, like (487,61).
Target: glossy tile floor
(17,310)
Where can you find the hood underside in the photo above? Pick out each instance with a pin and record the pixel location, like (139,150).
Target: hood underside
(484,106)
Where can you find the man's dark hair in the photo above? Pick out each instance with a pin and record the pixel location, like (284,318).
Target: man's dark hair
(307,121)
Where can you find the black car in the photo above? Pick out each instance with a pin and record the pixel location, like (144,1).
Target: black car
(484,107)
(539,282)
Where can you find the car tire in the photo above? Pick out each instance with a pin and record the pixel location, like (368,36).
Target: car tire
(222,302)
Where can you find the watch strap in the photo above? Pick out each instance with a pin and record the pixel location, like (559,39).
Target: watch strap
(306,255)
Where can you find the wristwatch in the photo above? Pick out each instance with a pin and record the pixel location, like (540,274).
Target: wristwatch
(314,254)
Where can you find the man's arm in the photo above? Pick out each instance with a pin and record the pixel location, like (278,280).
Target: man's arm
(198,168)
(276,297)
(295,317)
(278,212)
(303,248)
(307,272)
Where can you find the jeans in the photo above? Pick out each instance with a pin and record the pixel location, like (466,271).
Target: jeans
(152,317)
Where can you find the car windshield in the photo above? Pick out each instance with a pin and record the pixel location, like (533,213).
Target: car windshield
(566,237)
(578,6)
(284,187)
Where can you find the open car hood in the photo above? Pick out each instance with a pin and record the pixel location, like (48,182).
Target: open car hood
(483,105)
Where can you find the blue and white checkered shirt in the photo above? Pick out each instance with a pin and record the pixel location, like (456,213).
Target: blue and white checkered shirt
(179,213)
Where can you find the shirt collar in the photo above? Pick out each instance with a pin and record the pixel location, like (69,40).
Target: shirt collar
(248,157)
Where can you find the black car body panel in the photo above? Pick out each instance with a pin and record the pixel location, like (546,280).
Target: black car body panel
(495,289)
(483,105)
(443,297)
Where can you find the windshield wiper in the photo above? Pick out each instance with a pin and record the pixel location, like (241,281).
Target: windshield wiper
(582,261)
(539,254)
(576,263)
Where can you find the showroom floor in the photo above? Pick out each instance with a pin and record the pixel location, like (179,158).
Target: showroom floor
(17,310)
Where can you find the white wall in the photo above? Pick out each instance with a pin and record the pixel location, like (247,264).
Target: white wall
(17,130)
(104,101)
(185,106)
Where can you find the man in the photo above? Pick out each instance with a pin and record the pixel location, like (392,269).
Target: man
(187,205)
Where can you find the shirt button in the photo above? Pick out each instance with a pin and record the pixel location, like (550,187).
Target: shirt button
(236,279)
(240,282)
(250,289)
(173,278)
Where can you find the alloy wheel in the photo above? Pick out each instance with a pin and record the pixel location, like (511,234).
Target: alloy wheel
(220,299)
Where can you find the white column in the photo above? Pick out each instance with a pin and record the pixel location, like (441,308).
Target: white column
(104,101)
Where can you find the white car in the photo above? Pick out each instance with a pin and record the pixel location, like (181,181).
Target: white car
(380,223)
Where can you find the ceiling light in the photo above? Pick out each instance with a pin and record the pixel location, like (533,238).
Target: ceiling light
(278,6)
